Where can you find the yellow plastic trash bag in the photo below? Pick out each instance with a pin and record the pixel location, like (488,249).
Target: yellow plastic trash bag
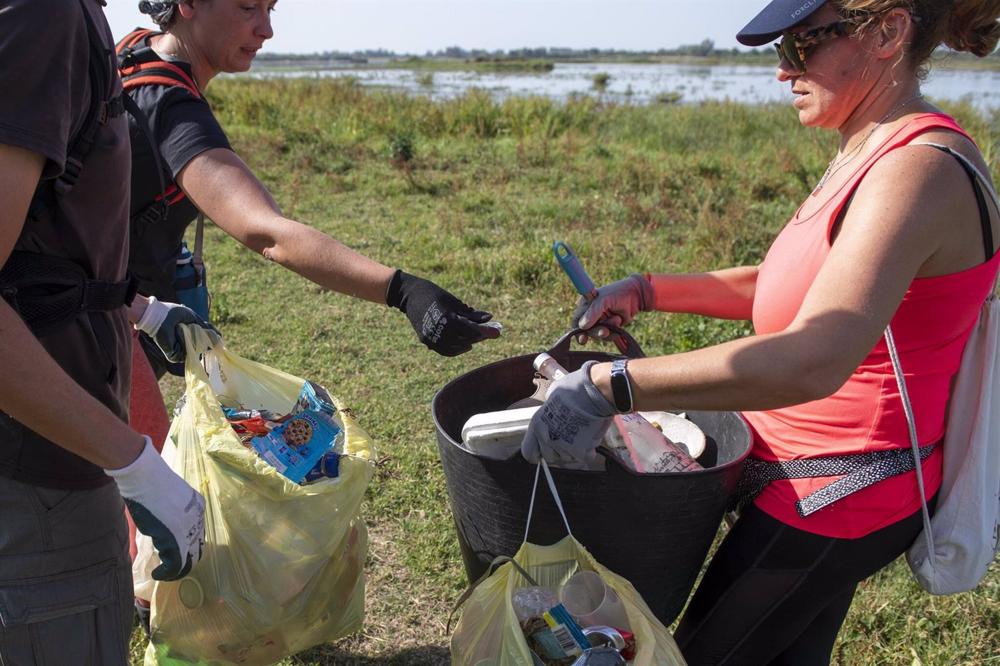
(489,634)
(282,567)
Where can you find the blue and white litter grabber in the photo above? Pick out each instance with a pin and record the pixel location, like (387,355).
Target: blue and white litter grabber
(570,263)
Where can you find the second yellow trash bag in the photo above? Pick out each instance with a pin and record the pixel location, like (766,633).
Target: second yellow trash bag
(489,634)
(282,567)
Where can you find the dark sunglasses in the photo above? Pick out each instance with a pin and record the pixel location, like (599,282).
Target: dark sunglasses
(796,47)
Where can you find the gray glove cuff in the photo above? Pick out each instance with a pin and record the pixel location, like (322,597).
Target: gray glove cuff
(600,404)
(647,295)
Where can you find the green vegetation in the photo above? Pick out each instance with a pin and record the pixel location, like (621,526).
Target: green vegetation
(425,79)
(471,192)
(601,81)
(671,97)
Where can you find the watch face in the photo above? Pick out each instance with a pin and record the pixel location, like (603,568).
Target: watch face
(620,388)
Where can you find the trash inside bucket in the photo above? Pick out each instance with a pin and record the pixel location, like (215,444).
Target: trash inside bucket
(653,529)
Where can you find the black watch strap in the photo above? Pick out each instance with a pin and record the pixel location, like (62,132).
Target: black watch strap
(621,387)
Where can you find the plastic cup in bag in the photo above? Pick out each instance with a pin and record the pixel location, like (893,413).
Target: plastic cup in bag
(592,602)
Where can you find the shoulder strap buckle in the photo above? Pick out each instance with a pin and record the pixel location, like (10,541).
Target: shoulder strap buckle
(111,109)
(71,173)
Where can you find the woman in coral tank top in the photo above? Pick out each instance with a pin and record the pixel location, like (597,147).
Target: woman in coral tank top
(896,231)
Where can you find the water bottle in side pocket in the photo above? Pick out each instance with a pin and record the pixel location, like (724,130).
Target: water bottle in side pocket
(189,283)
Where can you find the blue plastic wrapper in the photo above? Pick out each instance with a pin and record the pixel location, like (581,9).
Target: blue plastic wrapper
(300,445)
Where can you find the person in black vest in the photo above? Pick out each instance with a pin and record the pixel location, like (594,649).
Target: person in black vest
(65,576)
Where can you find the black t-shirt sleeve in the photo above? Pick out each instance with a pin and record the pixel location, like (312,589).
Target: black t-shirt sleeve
(186,127)
(44,51)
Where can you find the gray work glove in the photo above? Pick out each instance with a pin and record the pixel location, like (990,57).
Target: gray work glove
(616,304)
(570,424)
(166,509)
(160,321)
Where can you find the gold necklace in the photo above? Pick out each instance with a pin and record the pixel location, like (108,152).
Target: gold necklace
(845,159)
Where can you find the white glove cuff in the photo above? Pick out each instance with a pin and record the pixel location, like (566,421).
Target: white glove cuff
(136,475)
(153,317)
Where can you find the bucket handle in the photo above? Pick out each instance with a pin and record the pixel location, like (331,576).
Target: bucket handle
(632,349)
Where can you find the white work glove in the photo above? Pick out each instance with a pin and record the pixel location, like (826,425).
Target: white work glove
(166,509)
(160,321)
(616,304)
(570,424)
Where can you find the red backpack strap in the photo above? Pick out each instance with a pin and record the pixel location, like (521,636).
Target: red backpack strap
(139,65)
(129,41)
(158,73)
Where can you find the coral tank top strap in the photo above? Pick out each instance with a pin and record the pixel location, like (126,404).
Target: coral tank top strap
(903,136)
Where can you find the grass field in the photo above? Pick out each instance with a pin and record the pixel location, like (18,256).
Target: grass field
(471,193)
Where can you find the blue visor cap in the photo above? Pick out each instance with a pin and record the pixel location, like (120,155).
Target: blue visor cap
(777,17)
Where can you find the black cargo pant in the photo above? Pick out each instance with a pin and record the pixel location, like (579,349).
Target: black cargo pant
(65,577)
(777,595)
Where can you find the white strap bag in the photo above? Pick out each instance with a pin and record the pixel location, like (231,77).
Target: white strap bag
(962,539)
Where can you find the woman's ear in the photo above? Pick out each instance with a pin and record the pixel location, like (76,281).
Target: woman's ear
(893,32)
(186,8)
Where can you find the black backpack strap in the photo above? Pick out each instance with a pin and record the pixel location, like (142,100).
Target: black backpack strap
(102,107)
(142,120)
(50,292)
(978,182)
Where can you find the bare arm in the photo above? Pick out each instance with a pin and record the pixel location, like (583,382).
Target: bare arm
(223,187)
(94,432)
(903,215)
(724,294)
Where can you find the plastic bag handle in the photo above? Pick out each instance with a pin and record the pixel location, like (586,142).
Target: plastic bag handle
(497,561)
(560,349)
(543,466)
(196,343)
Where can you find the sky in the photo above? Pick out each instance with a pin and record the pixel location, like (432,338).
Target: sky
(418,26)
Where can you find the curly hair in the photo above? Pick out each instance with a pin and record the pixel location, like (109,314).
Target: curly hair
(963,25)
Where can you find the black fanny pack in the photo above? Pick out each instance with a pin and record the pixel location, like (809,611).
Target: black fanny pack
(50,292)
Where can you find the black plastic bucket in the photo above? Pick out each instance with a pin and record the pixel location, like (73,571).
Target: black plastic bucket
(653,529)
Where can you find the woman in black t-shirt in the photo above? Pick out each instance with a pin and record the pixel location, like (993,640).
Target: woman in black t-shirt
(202,38)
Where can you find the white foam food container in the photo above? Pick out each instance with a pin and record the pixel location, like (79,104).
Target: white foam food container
(497,434)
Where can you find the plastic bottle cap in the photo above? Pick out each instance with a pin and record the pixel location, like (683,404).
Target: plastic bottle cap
(190,592)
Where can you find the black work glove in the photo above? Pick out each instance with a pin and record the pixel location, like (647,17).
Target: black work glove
(442,322)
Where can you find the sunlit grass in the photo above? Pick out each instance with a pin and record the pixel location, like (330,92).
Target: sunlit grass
(471,193)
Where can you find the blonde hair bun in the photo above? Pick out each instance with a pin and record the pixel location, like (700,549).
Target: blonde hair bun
(974,27)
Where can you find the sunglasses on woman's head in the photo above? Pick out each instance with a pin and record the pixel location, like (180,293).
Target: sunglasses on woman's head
(796,47)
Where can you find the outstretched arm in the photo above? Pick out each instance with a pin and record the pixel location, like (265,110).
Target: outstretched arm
(724,294)
(222,186)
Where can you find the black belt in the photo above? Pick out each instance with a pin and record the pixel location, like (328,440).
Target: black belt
(857,471)
(49,292)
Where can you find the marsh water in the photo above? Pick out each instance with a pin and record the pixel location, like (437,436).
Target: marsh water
(640,83)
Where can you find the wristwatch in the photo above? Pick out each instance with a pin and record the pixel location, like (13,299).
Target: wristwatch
(621,388)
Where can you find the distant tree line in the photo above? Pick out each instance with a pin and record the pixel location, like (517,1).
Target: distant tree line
(704,49)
